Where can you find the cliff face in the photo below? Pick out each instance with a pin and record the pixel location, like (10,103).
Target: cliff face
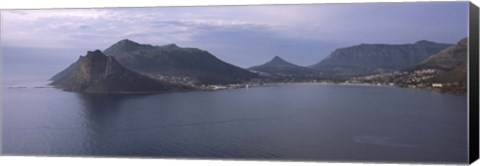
(98,73)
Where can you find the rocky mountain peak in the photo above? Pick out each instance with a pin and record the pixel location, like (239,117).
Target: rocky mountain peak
(278,59)
(280,66)
(98,73)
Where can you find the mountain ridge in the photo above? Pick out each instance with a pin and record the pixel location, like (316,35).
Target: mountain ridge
(193,65)
(445,71)
(452,61)
(149,68)
(449,57)
(370,58)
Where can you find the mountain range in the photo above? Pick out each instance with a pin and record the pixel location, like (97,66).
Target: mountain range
(127,66)
(445,71)
(372,58)
(175,64)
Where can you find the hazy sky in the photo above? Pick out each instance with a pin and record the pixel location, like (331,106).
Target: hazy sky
(241,35)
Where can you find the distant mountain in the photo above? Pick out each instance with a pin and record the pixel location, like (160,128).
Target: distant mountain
(452,61)
(371,58)
(278,66)
(98,73)
(177,64)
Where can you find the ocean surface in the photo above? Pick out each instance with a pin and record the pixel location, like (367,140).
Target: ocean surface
(285,122)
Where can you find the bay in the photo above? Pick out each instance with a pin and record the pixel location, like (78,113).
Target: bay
(284,122)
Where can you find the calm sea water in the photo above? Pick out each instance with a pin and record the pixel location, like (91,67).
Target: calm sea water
(287,122)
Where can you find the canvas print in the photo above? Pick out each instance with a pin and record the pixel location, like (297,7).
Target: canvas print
(359,82)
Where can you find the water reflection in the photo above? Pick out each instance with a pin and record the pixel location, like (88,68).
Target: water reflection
(101,119)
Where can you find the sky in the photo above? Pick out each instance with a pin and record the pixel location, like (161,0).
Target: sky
(241,35)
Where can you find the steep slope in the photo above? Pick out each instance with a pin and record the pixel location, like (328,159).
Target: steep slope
(451,61)
(98,73)
(175,64)
(278,66)
(448,58)
(455,75)
(370,58)
(445,71)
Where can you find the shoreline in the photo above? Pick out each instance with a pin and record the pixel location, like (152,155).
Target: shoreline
(240,86)
(375,85)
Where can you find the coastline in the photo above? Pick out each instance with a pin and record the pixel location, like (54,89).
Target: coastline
(242,85)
